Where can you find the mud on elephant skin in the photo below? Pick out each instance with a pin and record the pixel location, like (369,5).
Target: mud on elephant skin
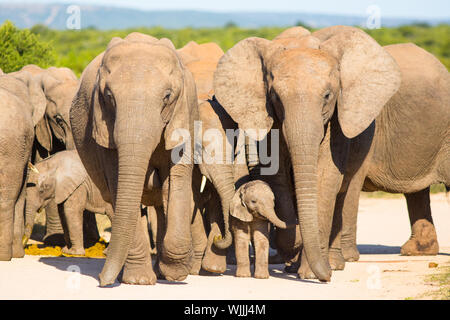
(63,179)
(321,90)
(132,101)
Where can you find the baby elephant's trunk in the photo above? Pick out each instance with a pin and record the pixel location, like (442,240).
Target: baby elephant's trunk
(270,215)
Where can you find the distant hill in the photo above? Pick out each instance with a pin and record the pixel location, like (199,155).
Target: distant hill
(100,17)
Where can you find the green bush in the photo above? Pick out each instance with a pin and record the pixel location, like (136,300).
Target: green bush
(21,47)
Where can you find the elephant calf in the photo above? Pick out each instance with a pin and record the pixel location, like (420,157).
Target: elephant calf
(252,209)
(62,178)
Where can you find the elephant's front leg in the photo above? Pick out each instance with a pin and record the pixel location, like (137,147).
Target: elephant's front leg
(198,241)
(19,226)
(138,267)
(241,234)
(73,216)
(215,259)
(260,232)
(54,234)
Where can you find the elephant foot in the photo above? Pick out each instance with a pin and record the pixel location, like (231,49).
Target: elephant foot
(243,272)
(138,274)
(305,272)
(196,266)
(175,271)
(423,241)
(18,251)
(55,239)
(73,251)
(214,263)
(350,253)
(5,255)
(262,273)
(336,259)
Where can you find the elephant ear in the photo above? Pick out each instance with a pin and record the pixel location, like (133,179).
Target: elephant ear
(70,174)
(238,208)
(35,93)
(369,76)
(43,134)
(240,87)
(182,116)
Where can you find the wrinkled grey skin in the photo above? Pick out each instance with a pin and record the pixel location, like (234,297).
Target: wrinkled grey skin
(252,209)
(22,106)
(131,100)
(53,132)
(410,151)
(321,90)
(63,179)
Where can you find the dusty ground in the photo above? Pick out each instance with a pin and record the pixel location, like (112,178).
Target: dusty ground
(381,273)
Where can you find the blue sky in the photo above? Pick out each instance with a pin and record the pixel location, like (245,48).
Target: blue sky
(389,8)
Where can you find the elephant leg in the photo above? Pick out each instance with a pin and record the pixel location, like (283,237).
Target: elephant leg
(153,222)
(138,267)
(160,232)
(6,228)
(215,259)
(90,229)
(199,241)
(260,232)
(335,257)
(73,216)
(54,235)
(19,226)
(241,232)
(423,240)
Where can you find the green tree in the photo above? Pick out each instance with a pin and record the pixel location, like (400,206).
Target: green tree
(21,47)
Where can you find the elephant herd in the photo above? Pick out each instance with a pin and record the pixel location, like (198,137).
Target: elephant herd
(337,113)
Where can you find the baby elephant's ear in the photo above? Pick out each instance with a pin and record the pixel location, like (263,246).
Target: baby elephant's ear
(238,208)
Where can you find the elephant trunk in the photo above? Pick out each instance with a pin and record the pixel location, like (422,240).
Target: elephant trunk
(304,146)
(223,181)
(135,143)
(270,215)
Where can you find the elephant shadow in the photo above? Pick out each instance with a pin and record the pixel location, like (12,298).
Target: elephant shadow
(378,249)
(89,267)
(85,266)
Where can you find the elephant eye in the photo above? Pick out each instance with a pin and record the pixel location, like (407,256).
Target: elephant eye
(167,95)
(327,96)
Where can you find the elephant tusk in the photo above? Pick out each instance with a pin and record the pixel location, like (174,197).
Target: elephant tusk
(202,186)
(32,168)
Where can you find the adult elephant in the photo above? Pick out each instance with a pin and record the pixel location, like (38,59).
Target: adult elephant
(409,152)
(321,90)
(53,132)
(133,100)
(22,103)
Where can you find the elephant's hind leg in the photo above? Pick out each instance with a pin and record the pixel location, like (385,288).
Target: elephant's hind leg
(423,240)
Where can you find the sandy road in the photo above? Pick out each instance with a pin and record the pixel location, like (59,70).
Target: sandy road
(381,273)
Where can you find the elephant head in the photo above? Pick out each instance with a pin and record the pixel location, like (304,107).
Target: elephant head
(298,80)
(58,87)
(54,178)
(255,199)
(133,97)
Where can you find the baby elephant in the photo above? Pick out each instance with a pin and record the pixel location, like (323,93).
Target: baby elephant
(62,177)
(252,209)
